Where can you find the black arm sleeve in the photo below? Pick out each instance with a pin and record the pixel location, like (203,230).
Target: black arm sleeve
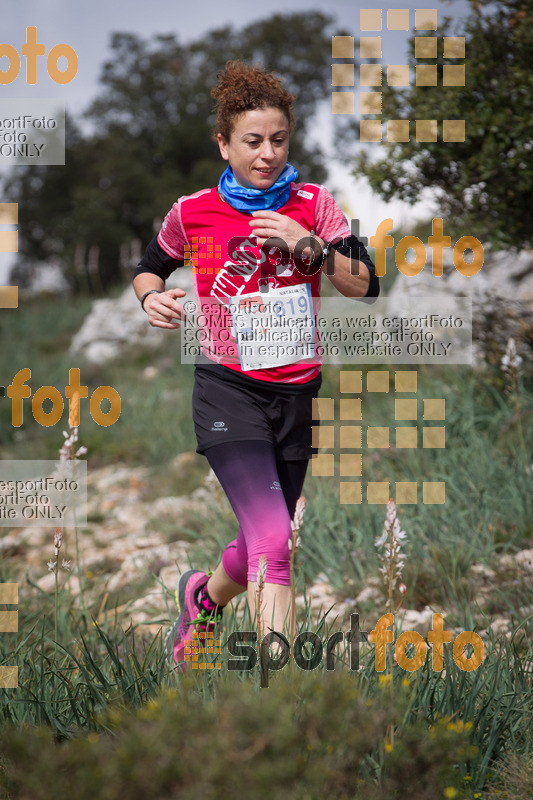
(352,247)
(156,261)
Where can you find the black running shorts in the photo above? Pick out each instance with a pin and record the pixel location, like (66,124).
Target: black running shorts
(231,407)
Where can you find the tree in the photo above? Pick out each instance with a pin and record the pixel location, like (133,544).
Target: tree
(151,140)
(484,184)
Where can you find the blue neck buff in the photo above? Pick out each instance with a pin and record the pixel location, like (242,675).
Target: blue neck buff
(250,199)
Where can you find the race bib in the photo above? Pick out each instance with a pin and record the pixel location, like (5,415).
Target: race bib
(275,328)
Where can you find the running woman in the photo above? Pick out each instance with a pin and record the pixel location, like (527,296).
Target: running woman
(252,404)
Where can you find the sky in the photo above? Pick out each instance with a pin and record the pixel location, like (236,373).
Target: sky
(87,28)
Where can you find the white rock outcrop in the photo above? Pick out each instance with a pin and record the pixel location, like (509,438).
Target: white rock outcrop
(113,323)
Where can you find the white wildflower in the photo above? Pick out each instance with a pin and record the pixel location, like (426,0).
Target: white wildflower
(380,540)
(262,569)
(66,564)
(297,542)
(66,452)
(391,541)
(510,359)
(296,522)
(261,577)
(51,565)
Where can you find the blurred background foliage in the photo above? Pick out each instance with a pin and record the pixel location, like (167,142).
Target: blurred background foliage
(484,184)
(147,138)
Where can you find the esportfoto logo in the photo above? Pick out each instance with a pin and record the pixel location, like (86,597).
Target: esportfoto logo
(410,648)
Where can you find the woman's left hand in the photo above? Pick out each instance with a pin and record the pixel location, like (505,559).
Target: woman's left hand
(269,223)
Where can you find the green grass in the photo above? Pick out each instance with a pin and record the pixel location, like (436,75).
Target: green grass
(155,420)
(106,687)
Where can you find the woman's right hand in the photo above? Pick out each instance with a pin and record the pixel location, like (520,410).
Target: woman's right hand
(163,309)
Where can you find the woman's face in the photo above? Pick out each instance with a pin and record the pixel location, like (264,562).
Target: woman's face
(258,147)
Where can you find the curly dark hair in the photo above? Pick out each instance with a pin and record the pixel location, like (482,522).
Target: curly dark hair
(242,87)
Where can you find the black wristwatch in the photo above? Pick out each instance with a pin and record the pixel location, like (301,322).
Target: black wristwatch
(322,257)
(145,295)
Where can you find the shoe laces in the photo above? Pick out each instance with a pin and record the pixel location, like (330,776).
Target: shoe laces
(205,617)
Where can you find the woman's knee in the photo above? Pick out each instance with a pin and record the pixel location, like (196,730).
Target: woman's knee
(275,548)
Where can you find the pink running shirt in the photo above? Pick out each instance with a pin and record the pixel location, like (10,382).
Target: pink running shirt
(216,240)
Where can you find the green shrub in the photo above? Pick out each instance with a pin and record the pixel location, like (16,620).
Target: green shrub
(307,736)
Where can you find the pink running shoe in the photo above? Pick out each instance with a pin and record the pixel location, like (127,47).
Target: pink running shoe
(192,616)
